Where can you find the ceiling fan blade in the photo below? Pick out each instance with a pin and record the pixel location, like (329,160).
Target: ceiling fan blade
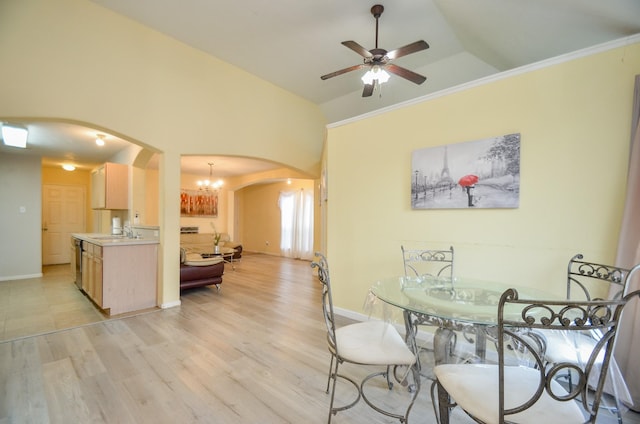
(342,71)
(357,48)
(368,89)
(408,49)
(405,73)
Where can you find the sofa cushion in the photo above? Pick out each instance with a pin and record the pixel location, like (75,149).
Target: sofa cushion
(203,243)
(194,259)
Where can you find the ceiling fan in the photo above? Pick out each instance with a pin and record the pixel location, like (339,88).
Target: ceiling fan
(378,60)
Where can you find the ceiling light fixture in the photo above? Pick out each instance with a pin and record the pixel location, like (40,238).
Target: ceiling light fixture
(100,139)
(375,73)
(68,167)
(14,135)
(210,184)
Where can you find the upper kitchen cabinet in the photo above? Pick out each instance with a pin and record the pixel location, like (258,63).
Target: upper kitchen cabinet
(110,186)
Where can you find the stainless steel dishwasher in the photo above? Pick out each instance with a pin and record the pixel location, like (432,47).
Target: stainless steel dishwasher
(78,245)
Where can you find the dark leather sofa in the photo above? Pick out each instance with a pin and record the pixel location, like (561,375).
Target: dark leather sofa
(198,272)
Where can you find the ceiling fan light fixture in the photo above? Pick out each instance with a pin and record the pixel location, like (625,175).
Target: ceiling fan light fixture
(14,136)
(375,73)
(68,167)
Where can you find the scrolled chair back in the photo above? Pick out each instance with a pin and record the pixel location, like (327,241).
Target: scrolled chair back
(428,262)
(516,314)
(584,276)
(327,300)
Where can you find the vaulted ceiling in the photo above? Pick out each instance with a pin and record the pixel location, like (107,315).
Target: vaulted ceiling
(291,43)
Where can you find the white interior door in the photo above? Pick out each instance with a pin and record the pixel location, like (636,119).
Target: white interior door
(63,213)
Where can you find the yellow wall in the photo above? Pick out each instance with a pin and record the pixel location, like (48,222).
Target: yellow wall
(150,216)
(574,119)
(260,215)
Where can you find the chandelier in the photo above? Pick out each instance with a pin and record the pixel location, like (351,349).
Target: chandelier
(209,184)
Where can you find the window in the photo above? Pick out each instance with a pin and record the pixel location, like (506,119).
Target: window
(296,211)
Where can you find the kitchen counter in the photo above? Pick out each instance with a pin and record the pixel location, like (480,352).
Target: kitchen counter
(107,240)
(118,274)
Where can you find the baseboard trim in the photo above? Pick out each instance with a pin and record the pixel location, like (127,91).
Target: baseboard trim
(21,277)
(170,304)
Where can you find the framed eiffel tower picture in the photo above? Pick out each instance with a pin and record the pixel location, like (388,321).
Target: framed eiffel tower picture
(469,175)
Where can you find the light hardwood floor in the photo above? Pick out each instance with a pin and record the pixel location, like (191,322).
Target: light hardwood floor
(255,352)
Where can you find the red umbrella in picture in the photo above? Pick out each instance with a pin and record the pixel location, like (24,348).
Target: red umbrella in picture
(468,180)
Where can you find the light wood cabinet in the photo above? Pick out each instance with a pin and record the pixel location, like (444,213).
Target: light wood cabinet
(72,256)
(96,293)
(120,278)
(110,186)
(129,277)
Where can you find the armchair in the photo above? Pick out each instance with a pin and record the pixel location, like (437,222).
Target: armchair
(198,272)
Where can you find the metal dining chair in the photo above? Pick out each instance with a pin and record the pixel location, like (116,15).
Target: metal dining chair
(434,264)
(583,280)
(530,392)
(587,277)
(364,343)
(428,262)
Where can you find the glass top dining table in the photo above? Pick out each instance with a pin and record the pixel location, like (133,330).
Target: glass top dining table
(460,304)
(466,300)
(467,305)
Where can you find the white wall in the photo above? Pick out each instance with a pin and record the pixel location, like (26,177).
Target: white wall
(20,232)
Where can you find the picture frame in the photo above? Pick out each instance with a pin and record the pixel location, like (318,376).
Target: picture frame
(198,203)
(469,175)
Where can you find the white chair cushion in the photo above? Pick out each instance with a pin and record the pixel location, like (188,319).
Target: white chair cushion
(373,343)
(475,389)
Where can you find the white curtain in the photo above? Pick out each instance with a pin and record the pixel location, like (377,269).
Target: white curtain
(296,211)
(627,351)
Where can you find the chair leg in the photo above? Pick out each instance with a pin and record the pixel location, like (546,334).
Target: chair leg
(388,376)
(443,405)
(434,402)
(330,371)
(333,373)
(415,372)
